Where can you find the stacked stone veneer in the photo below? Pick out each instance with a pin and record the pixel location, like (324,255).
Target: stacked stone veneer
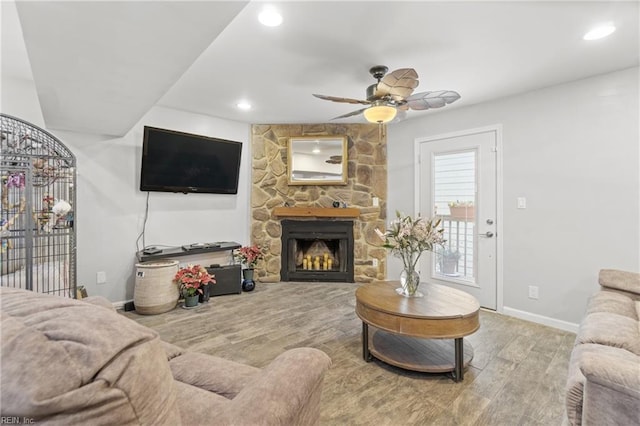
(367,178)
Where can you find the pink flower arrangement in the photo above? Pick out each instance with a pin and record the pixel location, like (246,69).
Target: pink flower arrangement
(191,278)
(407,238)
(249,255)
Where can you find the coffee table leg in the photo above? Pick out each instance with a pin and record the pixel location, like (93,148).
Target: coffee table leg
(458,374)
(365,342)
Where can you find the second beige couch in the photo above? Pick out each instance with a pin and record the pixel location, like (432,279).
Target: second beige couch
(603,386)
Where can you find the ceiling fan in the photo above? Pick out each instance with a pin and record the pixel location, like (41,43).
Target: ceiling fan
(391,93)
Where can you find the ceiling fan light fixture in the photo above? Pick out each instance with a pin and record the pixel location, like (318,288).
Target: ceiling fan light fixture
(380,114)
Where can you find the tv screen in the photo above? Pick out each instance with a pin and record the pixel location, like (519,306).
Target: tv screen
(183,162)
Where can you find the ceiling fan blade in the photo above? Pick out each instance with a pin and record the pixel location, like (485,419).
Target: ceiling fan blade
(428,100)
(343,100)
(350,114)
(398,84)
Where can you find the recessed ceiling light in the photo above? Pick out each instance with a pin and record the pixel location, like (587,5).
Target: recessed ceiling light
(270,17)
(245,106)
(599,32)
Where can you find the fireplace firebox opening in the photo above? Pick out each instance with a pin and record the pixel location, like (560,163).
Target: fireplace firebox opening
(317,250)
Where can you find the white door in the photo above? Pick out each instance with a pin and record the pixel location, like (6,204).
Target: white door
(457,181)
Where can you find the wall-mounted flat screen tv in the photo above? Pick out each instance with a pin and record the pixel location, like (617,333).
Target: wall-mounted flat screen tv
(175,161)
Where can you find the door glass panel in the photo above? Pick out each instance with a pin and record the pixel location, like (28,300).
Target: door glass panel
(454,192)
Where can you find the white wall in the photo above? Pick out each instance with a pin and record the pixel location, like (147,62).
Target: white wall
(18,95)
(573,151)
(19,99)
(110,211)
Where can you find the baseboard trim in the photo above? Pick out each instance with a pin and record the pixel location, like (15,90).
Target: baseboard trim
(540,319)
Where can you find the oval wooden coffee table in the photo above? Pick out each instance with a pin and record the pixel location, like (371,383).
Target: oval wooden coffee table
(410,333)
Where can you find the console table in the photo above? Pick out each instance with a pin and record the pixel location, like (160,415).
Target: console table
(228,276)
(172,252)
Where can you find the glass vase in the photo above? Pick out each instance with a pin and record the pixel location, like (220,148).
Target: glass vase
(409,280)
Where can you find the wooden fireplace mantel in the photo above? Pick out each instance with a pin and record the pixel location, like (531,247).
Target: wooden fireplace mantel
(316,212)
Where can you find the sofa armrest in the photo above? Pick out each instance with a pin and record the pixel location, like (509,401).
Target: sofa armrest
(286,392)
(218,375)
(611,390)
(628,282)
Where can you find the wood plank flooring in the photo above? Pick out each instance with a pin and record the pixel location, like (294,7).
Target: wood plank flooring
(516,377)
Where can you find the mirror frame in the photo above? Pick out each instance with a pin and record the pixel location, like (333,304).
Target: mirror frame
(300,141)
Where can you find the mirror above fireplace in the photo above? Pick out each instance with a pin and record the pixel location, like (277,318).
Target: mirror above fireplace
(317,160)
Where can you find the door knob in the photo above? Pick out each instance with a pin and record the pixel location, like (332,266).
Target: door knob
(488,234)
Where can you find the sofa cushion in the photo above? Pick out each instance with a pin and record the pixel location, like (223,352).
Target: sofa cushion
(620,280)
(611,330)
(103,369)
(576,379)
(614,303)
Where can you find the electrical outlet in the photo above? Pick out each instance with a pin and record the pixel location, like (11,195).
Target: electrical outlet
(376,202)
(101,277)
(533,292)
(374,263)
(522,203)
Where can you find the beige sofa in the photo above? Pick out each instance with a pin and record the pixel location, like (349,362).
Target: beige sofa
(68,362)
(603,386)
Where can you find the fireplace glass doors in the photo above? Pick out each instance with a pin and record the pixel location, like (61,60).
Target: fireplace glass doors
(317,250)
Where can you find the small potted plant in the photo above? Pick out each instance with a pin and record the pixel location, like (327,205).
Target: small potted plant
(462,210)
(248,256)
(448,260)
(191,280)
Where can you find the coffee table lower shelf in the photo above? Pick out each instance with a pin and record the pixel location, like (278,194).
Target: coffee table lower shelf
(415,354)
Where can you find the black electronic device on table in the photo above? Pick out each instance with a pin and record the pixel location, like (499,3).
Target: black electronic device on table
(196,246)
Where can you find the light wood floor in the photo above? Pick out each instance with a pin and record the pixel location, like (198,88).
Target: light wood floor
(516,377)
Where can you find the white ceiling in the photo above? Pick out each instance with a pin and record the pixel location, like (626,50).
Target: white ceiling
(99,66)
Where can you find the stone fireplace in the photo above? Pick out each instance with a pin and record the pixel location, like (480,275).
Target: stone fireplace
(365,191)
(317,250)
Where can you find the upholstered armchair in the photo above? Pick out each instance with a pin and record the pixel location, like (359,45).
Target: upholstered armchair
(71,362)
